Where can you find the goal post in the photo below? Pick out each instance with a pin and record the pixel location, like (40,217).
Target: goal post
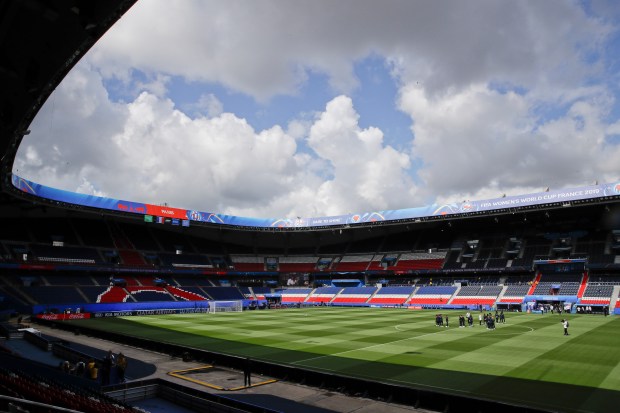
(225,306)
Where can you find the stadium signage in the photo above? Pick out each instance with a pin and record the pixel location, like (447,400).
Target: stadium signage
(62,317)
(567,298)
(105,314)
(565,196)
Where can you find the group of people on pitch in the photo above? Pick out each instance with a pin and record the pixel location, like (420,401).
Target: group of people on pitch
(468,320)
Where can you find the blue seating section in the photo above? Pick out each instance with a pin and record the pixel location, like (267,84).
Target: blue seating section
(195,290)
(261,290)
(152,296)
(92,292)
(517,290)
(66,254)
(69,280)
(327,290)
(224,293)
(442,289)
(54,295)
(401,290)
(296,291)
(358,290)
(187,260)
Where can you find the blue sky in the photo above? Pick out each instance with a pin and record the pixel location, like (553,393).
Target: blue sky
(280,108)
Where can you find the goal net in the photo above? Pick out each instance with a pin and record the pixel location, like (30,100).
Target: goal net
(225,306)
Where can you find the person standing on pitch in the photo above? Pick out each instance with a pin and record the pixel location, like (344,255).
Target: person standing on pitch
(565,325)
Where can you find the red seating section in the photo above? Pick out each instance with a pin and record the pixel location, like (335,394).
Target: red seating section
(428,300)
(350,300)
(299,267)
(377,299)
(249,266)
(351,266)
(473,301)
(187,295)
(594,301)
(113,295)
(56,395)
(424,264)
(132,258)
(511,300)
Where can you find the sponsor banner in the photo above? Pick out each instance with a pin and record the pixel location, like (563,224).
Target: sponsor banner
(62,317)
(563,196)
(164,311)
(167,212)
(534,298)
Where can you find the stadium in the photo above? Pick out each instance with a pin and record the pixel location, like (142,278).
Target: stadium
(343,308)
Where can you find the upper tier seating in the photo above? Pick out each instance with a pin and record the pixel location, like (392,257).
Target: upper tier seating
(420,261)
(185,260)
(224,293)
(54,295)
(353,263)
(248,263)
(93,232)
(298,263)
(69,279)
(74,255)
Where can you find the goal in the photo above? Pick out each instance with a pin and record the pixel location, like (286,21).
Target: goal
(225,306)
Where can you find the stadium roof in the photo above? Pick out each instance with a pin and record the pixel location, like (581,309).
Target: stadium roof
(40,41)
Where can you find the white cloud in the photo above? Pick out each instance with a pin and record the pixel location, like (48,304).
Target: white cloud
(481,143)
(152,152)
(270,47)
(367,174)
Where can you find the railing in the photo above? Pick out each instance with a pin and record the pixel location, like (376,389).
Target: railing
(23,403)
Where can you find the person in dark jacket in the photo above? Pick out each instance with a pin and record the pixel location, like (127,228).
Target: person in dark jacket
(247,373)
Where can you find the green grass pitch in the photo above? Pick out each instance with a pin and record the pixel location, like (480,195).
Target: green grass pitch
(528,360)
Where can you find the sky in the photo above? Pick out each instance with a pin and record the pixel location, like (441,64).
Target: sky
(291,108)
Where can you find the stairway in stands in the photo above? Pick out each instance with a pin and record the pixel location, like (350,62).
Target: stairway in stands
(584,284)
(534,284)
